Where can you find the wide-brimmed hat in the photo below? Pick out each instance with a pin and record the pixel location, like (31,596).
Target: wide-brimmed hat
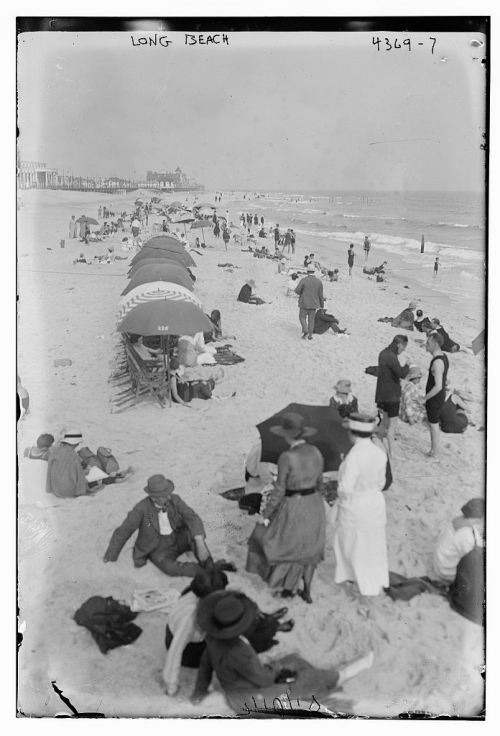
(414,372)
(251,283)
(412,305)
(343,386)
(158,485)
(72,438)
(292,425)
(362,423)
(226,614)
(474,508)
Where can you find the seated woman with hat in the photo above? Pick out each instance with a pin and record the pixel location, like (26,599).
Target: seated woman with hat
(249,686)
(359,542)
(343,400)
(405,319)
(185,641)
(246,296)
(290,542)
(167,527)
(412,404)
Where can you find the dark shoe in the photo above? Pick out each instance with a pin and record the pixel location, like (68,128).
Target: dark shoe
(225,566)
(309,337)
(304,335)
(305,596)
(287,594)
(286,626)
(279,613)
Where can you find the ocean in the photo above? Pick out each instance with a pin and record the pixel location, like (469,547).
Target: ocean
(452,223)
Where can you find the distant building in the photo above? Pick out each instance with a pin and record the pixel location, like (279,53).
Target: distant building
(167,179)
(35,175)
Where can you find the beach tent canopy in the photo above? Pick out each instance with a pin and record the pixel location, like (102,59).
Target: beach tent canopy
(165,316)
(155,290)
(201,223)
(163,257)
(167,271)
(183,217)
(146,253)
(331,437)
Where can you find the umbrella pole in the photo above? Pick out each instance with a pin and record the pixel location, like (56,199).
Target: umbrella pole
(167,369)
(203,234)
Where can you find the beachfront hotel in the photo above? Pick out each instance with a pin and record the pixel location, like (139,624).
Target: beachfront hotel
(35,175)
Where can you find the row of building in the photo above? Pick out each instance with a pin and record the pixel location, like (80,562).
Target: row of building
(36,175)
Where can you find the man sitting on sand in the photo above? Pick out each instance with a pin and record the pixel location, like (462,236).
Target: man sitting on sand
(167,527)
(449,346)
(458,538)
(343,400)
(310,291)
(324,322)
(246,296)
(66,477)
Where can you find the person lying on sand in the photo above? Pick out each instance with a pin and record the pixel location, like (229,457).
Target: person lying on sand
(66,477)
(167,527)
(324,322)
(343,400)
(457,538)
(246,296)
(449,345)
(249,686)
(405,319)
(412,404)
(374,270)
(184,640)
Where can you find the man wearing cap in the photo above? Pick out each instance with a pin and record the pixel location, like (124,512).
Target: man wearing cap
(167,527)
(458,538)
(310,291)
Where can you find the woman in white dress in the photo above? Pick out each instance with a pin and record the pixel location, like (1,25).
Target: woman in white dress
(360,543)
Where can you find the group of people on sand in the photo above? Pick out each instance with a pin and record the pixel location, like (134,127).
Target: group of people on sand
(211,628)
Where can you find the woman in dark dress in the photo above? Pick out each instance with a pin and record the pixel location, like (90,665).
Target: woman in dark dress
(435,390)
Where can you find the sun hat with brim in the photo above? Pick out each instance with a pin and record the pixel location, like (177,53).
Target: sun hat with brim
(226,614)
(343,386)
(292,425)
(158,485)
(474,508)
(251,283)
(414,372)
(363,423)
(72,438)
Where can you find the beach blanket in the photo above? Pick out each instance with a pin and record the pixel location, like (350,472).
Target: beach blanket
(225,356)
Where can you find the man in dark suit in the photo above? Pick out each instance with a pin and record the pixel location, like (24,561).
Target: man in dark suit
(310,291)
(167,527)
(388,391)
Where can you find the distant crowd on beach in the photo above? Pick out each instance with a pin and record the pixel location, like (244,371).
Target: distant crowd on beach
(327,476)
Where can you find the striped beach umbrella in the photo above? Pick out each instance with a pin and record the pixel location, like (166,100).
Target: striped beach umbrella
(168,271)
(155,290)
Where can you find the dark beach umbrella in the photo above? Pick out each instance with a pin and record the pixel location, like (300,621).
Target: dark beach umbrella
(148,251)
(331,438)
(162,258)
(201,224)
(165,317)
(164,240)
(88,220)
(168,271)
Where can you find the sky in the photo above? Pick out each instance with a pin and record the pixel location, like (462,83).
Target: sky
(269,111)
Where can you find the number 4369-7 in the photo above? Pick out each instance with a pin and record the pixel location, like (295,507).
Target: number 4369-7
(389,44)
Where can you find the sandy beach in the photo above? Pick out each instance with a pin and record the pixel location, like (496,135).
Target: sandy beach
(427,657)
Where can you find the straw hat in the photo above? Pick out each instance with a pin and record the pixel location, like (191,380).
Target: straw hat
(251,283)
(158,485)
(226,614)
(292,426)
(72,438)
(414,372)
(343,386)
(363,423)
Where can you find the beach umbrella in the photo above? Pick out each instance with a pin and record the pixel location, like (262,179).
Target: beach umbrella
(331,437)
(198,205)
(478,343)
(88,220)
(167,271)
(165,316)
(155,290)
(197,224)
(139,201)
(165,239)
(154,252)
(183,217)
(163,257)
